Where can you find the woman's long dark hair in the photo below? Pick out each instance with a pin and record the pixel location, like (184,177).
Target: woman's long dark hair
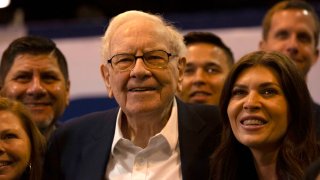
(299,148)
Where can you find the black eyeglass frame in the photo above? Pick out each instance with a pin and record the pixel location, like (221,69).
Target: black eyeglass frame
(142,57)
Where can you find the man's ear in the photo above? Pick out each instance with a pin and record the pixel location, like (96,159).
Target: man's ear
(181,67)
(262,45)
(68,85)
(106,75)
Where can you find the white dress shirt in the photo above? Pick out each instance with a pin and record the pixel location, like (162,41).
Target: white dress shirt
(160,159)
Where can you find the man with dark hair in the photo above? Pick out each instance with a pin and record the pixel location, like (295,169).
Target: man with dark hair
(34,71)
(208,63)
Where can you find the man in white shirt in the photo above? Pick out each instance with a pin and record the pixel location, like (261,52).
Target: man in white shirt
(152,135)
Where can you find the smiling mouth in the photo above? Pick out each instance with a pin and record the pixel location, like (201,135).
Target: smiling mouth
(142,89)
(5,163)
(37,104)
(252,122)
(200,93)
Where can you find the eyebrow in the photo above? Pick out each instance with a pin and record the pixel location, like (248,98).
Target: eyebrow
(205,64)
(265,84)
(6,130)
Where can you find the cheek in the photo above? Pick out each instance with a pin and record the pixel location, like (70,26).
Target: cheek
(217,80)
(118,82)
(186,82)
(60,92)
(310,51)
(270,43)
(58,89)
(232,111)
(26,145)
(277,46)
(29,152)
(282,113)
(232,119)
(21,150)
(26,153)
(166,77)
(173,76)
(12,91)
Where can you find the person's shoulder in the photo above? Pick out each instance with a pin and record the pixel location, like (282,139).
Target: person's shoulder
(205,112)
(93,116)
(203,109)
(88,121)
(313,170)
(316,105)
(316,109)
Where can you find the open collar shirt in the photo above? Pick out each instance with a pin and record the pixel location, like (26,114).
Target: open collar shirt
(160,159)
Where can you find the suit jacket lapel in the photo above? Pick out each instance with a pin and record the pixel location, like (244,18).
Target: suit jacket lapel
(191,137)
(95,155)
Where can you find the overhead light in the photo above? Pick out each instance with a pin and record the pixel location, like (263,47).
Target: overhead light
(4,3)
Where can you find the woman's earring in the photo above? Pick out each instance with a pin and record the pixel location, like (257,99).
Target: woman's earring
(29,167)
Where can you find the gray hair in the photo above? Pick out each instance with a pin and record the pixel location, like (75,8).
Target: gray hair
(174,37)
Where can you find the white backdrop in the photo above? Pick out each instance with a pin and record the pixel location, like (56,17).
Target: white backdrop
(83,55)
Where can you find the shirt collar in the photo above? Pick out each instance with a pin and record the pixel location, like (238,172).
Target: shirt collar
(169,132)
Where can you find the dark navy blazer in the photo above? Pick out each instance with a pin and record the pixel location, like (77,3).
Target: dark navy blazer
(80,149)
(316,111)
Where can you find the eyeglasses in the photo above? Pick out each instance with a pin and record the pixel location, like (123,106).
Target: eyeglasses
(157,59)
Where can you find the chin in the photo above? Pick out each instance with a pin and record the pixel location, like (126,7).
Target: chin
(43,123)
(251,142)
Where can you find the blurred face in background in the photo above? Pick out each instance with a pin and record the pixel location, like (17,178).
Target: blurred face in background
(292,33)
(15,146)
(205,72)
(38,83)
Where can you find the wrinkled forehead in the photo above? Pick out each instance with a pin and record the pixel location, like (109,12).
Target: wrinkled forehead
(140,29)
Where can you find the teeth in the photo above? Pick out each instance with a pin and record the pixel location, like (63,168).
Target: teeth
(138,89)
(253,122)
(4,163)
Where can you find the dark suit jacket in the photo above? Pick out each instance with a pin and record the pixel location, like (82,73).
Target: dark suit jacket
(80,149)
(316,111)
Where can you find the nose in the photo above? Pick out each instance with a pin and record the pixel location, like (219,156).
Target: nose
(36,87)
(252,102)
(292,46)
(199,77)
(140,70)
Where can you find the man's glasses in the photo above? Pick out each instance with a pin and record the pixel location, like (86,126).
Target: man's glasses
(157,59)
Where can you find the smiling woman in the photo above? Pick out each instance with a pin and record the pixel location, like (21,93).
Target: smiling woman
(21,143)
(268,127)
